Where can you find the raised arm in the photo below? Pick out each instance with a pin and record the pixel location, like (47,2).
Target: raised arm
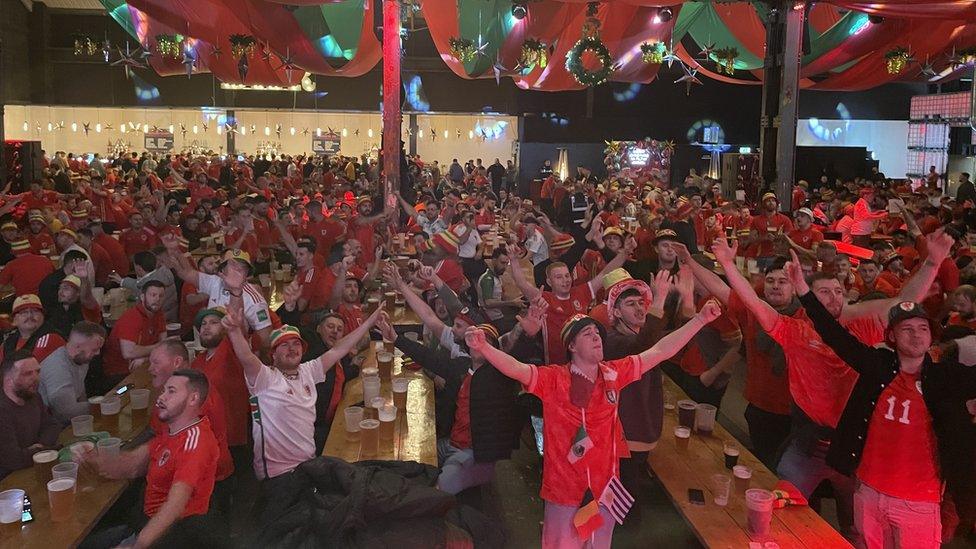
(286,238)
(233,322)
(176,261)
(618,261)
(416,303)
(504,363)
(407,207)
(764,313)
(711,281)
(528,288)
(349,341)
(676,340)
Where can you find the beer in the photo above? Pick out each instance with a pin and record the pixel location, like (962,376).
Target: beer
(44,461)
(742,476)
(368,438)
(731,456)
(390,300)
(371,305)
(682,435)
(173,329)
(389,346)
(95,404)
(61,496)
(387,417)
(686,413)
(384,361)
(400,386)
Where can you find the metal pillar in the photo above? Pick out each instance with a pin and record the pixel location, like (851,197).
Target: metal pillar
(412,140)
(231,136)
(392,117)
(781,71)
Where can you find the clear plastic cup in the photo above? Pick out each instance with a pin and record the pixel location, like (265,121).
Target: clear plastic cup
(81,425)
(412,336)
(686,413)
(61,496)
(111,405)
(95,405)
(400,387)
(669,402)
(139,398)
(109,447)
(743,477)
(387,417)
(759,505)
(371,388)
(369,437)
(354,414)
(705,418)
(721,484)
(65,470)
(44,461)
(11,506)
(682,435)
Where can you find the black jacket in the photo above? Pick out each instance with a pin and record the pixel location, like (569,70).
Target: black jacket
(495,418)
(945,388)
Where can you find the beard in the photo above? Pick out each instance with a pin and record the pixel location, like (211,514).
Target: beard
(167,414)
(211,342)
(26,393)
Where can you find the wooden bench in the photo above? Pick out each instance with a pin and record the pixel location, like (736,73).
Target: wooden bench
(721,527)
(94,496)
(415,434)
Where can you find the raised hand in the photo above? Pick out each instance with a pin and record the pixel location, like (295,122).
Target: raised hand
(662,282)
(233,319)
(939,245)
(794,272)
(685,280)
(630,245)
(233,275)
(292,292)
(386,328)
(349,261)
(426,273)
(710,311)
(535,317)
(475,338)
(724,254)
(684,256)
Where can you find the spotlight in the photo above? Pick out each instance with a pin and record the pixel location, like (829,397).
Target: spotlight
(665,14)
(656,19)
(876,19)
(519,11)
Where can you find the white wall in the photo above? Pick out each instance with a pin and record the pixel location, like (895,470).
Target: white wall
(504,130)
(887,139)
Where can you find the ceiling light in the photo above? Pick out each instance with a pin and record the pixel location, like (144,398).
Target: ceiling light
(519,11)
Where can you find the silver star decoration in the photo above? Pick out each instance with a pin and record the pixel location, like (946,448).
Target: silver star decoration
(216,52)
(129,60)
(927,70)
(183,130)
(252,128)
(331,131)
(707,50)
(204,128)
(106,49)
(458,132)
(356,132)
(304,131)
(154,129)
(288,63)
(109,127)
(230,128)
(189,61)
(86,127)
(669,56)
(954,60)
(278,130)
(410,132)
(690,78)
(266,52)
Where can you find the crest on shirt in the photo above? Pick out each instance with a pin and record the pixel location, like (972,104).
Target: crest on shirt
(308,392)
(576,305)
(918,385)
(163,458)
(262,315)
(611,396)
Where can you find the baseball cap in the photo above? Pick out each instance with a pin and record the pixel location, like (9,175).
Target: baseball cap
(904,311)
(27,301)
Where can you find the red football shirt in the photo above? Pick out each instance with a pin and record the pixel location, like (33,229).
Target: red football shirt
(188,456)
(762,224)
(313,283)
(134,241)
(766,388)
(25,273)
(461,430)
(226,377)
(559,311)
(806,238)
(900,452)
(352,315)
(451,273)
(563,482)
(136,325)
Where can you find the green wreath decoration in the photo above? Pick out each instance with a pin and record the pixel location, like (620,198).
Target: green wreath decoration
(575,66)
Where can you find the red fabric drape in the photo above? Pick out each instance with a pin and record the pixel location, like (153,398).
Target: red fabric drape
(742,21)
(958,10)
(823,16)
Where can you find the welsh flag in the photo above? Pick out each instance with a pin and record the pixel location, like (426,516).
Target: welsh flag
(255,409)
(581,444)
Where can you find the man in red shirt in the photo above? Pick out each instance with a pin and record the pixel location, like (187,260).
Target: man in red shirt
(135,334)
(226,377)
(112,245)
(565,300)
(26,271)
(582,433)
(31,333)
(362,227)
(764,228)
(805,236)
(180,465)
(325,230)
(39,236)
(138,237)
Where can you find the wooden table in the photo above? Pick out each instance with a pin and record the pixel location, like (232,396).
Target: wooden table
(94,496)
(720,527)
(415,434)
(403,316)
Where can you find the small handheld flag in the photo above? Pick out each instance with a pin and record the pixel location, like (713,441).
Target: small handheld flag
(581,444)
(587,518)
(616,499)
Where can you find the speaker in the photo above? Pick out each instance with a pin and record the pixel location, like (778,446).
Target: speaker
(23,163)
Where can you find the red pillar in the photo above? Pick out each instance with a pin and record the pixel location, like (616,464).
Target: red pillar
(391,98)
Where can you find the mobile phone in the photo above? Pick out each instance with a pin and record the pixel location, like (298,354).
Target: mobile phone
(696,496)
(121,390)
(728,235)
(27,515)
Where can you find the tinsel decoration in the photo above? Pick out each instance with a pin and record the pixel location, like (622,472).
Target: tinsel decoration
(613,147)
(590,42)
(725,60)
(169,45)
(84,45)
(967,56)
(242,45)
(462,49)
(897,59)
(534,53)
(652,53)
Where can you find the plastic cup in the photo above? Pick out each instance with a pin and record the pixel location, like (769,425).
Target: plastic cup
(82,425)
(369,437)
(384,361)
(11,506)
(390,298)
(743,477)
(686,413)
(109,447)
(44,461)
(759,505)
(669,403)
(111,405)
(371,388)
(373,407)
(65,470)
(389,346)
(354,414)
(139,399)
(61,496)
(731,452)
(753,266)
(412,336)
(720,489)
(387,416)
(400,387)
(95,405)
(705,418)
(370,371)
(79,449)
(682,435)
(174,329)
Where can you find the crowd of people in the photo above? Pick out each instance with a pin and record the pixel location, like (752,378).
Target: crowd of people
(851,311)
